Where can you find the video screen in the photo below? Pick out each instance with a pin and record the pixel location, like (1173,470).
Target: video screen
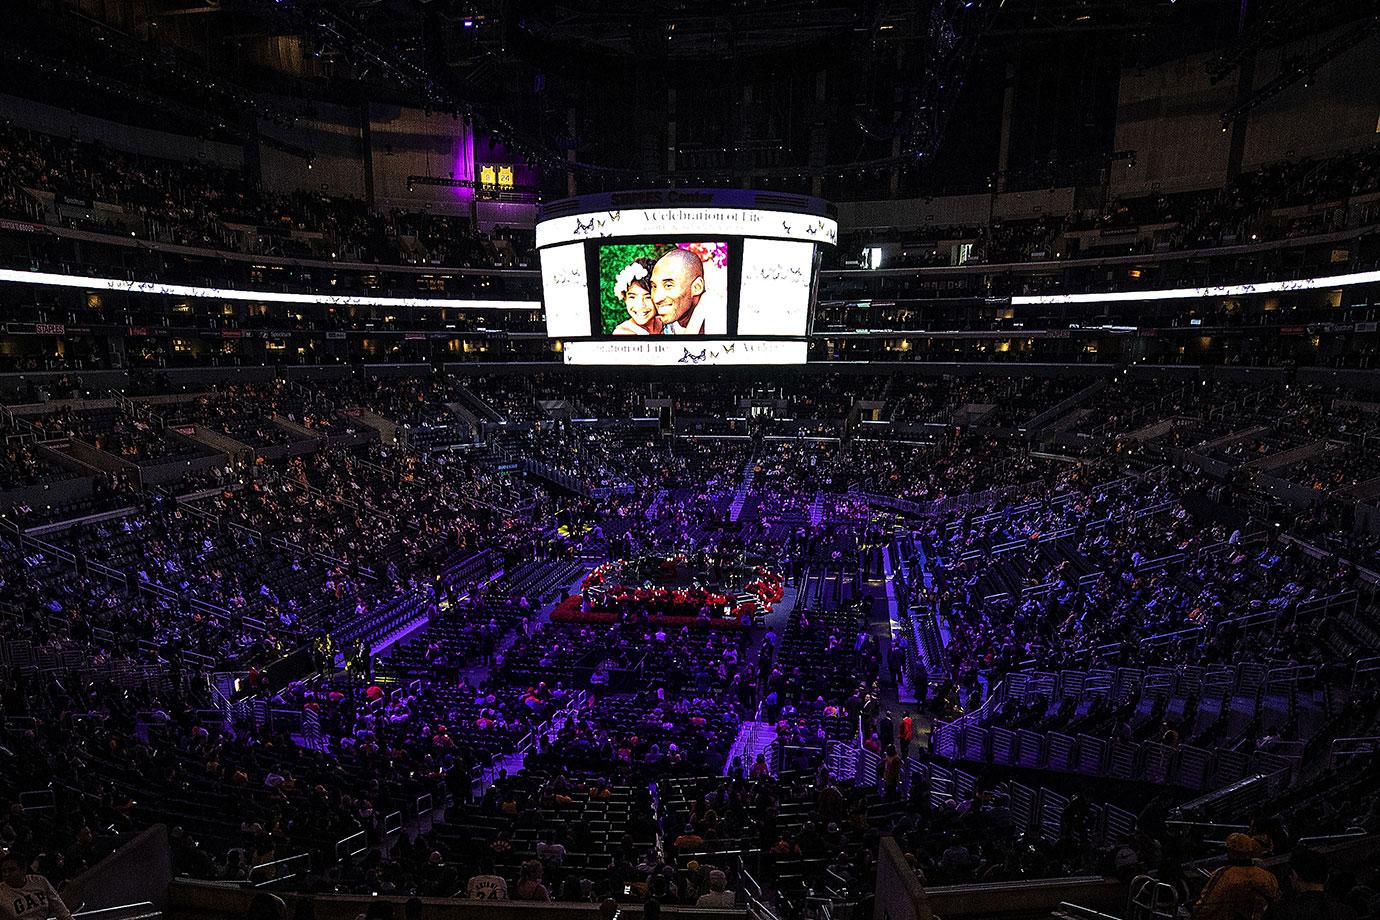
(623,284)
(566,290)
(774,294)
(672,288)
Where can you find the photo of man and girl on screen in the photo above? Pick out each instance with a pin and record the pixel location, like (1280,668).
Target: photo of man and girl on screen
(663,289)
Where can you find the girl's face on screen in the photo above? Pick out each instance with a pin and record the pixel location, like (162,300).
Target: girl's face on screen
(639,303)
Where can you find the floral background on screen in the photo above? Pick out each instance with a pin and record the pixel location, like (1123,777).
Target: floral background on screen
(613,259)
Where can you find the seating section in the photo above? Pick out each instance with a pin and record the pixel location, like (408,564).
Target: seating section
(374,657)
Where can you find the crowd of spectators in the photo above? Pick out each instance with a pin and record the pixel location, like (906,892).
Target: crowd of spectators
(582,759)
(88,185)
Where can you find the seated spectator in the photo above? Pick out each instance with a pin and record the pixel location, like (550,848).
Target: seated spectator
(718,896)
(1309,898)
(27,897)
(1240,890)
(486,886)
(529,886)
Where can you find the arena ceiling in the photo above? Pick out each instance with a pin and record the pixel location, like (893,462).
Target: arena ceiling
(737,90)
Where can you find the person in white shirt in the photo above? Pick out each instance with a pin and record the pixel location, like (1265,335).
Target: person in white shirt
(487,886)
(27,897)
(718,896)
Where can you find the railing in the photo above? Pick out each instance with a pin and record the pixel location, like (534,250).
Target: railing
(944,737)
(23,656)
(1204,831)
(1187,766)
(1351,833)
(922,621)
(351,846)
(1344,749)
(1365,671)
(1037,810)
(265,875)
(138,910)
(757,908)
(1235,799)
(38,800)
(841,759)
(311,730)
(392,823)
(1070,911)
(1151,899)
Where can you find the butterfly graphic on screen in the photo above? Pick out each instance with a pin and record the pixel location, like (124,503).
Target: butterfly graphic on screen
(615,215)
(786,226)
(688,358)
(812,230)
(582,227)
(729,349)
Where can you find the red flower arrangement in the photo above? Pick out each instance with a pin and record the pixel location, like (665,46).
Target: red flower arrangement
(674,605)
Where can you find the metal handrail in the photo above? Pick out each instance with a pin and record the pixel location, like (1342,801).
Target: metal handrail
(1353,747)
(1073,911)
(135,910)
(1351,833)
(352,839)
(293,860)
(757,908)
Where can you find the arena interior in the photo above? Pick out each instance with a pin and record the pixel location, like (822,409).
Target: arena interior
(748,460)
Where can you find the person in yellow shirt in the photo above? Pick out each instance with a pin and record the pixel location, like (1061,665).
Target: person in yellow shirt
(1240,890)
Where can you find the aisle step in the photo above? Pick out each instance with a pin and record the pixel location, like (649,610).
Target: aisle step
(753,738)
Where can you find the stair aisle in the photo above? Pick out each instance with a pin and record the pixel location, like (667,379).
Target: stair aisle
(744,487)
(655,505)
(753,738)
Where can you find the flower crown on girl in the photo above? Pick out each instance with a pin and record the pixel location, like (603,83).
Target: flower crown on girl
(633,271)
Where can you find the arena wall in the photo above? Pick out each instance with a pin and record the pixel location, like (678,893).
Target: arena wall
(1170,116)
(1337,109)
(143,141)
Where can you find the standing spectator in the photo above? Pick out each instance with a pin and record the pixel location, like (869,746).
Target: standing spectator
(907,734)
(896,660)
(760,768)
(891,771)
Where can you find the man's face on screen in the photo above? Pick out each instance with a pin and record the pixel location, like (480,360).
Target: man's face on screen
(674,287)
